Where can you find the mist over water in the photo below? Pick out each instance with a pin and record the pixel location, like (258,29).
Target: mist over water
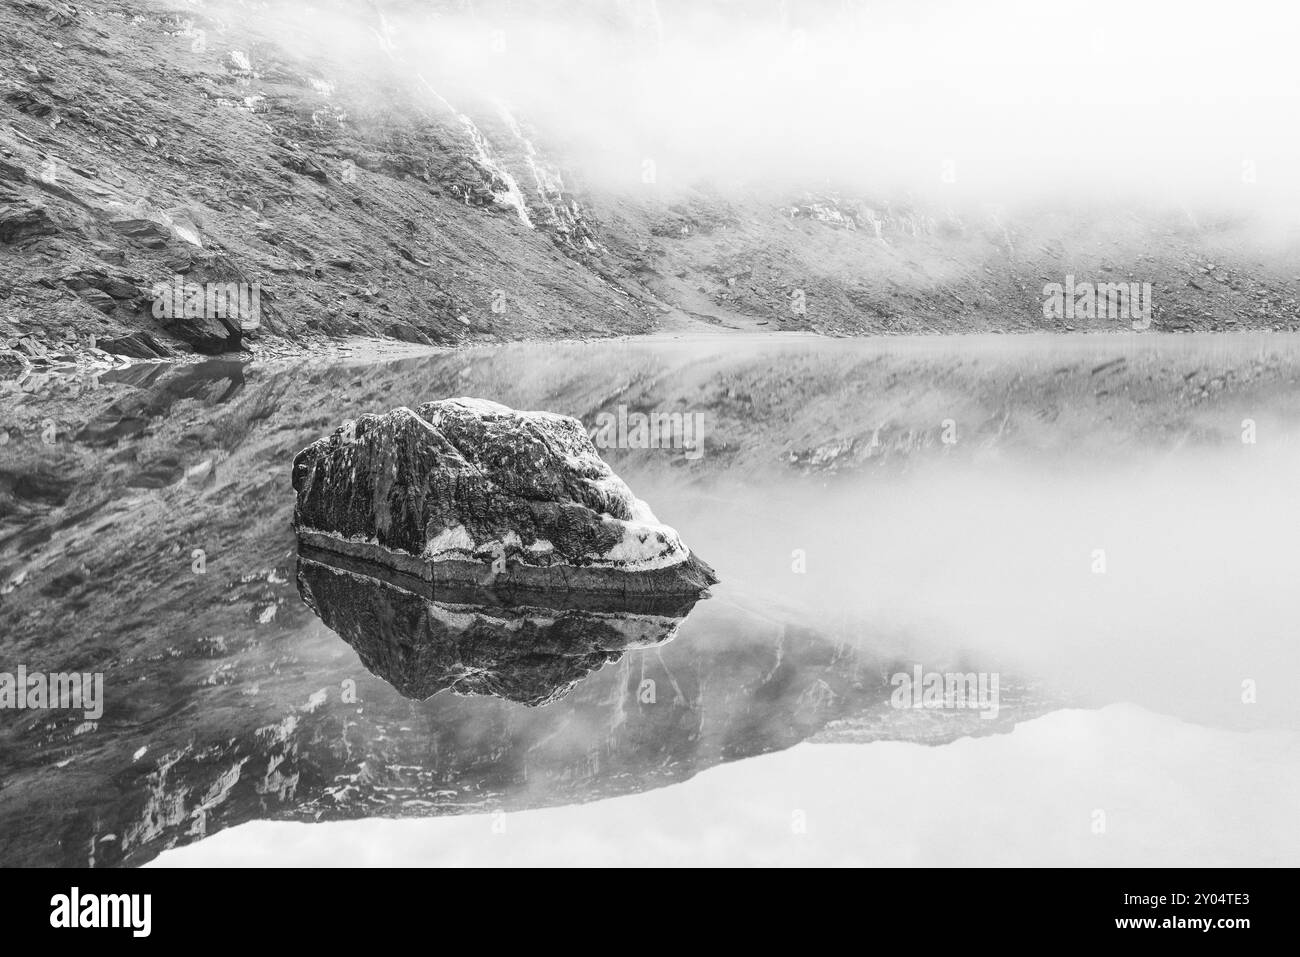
(992,565)
(991,557)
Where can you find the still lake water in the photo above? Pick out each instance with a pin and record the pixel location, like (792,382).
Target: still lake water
(1106,525)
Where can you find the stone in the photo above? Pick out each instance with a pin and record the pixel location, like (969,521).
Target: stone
(12,172)
(33,348)
(79,280)
(98,299)
(469,491)
(136,345)
(20,220)
(405,332)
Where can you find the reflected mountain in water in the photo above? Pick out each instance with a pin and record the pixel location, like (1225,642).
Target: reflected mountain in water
(145,533)
(476,641)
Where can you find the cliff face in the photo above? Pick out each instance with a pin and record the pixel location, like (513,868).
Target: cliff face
(153,153)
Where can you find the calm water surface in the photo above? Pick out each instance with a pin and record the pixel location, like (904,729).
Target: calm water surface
(1104,524)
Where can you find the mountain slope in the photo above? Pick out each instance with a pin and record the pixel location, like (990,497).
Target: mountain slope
(141,141)
(365,188)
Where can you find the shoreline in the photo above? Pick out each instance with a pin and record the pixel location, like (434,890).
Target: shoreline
(364,350)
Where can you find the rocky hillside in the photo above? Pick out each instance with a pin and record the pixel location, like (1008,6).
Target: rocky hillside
(142,139)
(363,191)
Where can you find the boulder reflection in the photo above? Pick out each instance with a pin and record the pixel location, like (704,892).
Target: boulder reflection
(532,648)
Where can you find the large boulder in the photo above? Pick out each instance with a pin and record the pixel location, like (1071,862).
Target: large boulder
(469,491)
